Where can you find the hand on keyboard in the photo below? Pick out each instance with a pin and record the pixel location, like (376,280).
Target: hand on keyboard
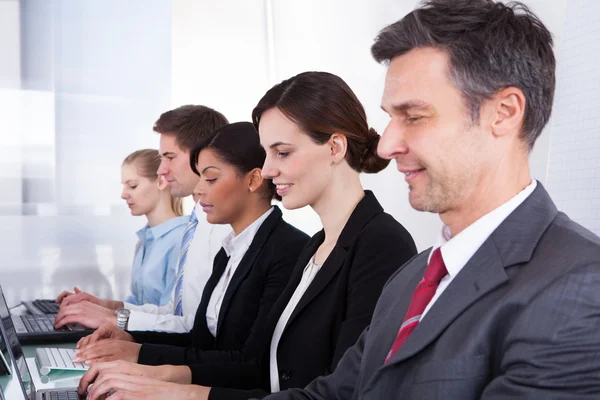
(143,388)
(105,332)
(109,350)
(85,313)
(162,372)
(40,323)
(67,298)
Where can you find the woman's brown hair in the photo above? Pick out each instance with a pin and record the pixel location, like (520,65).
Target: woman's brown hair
(322,104)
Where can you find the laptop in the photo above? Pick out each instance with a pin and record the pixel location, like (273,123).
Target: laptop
(18,384)
(39,326)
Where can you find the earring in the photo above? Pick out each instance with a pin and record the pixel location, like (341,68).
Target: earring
(250,188)
(332,163)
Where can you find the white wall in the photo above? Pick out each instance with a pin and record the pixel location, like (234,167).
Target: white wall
(10,44)
(574,170)
(219,55)
(10,81)
(552,13)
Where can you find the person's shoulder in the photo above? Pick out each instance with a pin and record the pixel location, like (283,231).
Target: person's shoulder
(387,230)
(565,239)
(181,221)
(288,230)
(566,227)
(285,238)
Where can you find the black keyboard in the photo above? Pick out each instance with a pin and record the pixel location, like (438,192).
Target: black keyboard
(41,323)
(62,395)
(47,306)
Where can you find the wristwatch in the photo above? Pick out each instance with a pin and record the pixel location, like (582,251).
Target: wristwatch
(122,317)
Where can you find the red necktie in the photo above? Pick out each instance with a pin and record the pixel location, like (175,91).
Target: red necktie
(423,294)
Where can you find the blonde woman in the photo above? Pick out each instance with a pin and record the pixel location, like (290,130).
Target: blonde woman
(154,269)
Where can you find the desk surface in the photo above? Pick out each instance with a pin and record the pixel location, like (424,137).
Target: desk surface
(55,379)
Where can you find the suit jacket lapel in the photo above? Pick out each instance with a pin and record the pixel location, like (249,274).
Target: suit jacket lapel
(295,278)
(247,262)
(365,211)
(219,265)
(513,242)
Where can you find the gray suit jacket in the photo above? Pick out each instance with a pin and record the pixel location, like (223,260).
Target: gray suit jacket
(521,320)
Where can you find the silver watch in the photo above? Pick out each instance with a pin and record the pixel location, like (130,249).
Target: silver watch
(122,317)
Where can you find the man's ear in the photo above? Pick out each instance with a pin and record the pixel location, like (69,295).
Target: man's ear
(161,183)
(508,112)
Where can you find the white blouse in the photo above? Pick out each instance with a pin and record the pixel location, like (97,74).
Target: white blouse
(235,247)
(307,277)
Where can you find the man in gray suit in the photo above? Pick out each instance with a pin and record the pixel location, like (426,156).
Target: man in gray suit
(507,303)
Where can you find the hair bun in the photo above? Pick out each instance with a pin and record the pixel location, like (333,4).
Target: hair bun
(371,163)
(373,139)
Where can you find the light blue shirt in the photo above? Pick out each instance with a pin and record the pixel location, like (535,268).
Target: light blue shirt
(154,269)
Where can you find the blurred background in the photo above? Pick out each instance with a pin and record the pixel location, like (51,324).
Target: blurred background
(82,82)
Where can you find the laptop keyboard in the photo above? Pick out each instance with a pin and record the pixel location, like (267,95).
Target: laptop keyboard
(41,323)
(47,306)
(62,395)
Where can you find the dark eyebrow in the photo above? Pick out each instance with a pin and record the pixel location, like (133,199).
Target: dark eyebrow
(276,144)
(168,153)
(407,105)
(209,167)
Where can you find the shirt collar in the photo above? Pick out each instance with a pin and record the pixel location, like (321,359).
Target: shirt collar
(234,245)
(458,250)
(142,233)
(161,229)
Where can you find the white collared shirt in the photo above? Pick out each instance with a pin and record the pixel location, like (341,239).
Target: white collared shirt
(458,250)
(235,247)
(308,275)
(205,245)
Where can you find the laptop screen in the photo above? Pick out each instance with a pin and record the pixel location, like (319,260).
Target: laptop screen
(10,338)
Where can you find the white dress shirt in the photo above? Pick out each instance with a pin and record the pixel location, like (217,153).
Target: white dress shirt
(308,275)
(458,250)
(203,249)
(235,247)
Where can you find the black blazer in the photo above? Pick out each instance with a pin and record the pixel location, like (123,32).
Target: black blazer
(257,283)
(331,314)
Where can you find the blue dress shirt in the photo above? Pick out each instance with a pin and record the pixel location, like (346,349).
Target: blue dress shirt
(154,269)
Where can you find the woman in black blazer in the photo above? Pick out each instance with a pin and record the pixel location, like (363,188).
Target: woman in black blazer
(318,141)
(249,272)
